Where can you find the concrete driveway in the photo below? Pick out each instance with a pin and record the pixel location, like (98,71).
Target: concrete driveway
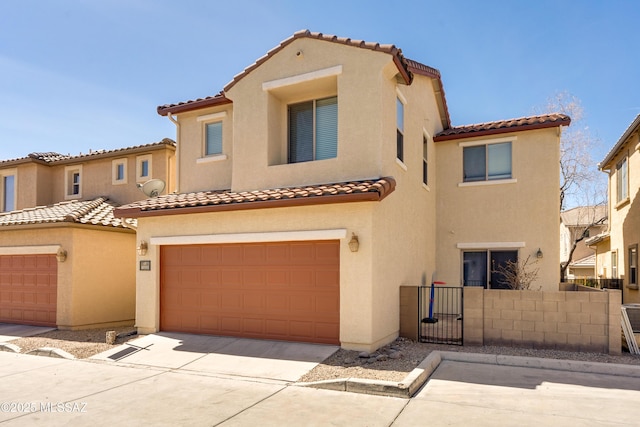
(266,360)
(10,331)
(57,392)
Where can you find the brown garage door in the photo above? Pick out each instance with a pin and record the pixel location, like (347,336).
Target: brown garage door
(28,289)
(284,291)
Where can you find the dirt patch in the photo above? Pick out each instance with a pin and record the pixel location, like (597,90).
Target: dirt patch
(82,344)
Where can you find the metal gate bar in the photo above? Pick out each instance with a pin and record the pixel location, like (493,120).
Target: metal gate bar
(440,314)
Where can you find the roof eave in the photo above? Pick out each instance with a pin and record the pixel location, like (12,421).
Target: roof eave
(164,110)
(487,132)
(623,139)
(370,196)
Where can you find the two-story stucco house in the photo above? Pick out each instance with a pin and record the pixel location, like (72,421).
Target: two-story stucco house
(65,260)
(579,224)
(322,178)
(617,247)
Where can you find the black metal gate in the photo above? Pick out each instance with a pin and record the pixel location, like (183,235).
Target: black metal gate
(440,314)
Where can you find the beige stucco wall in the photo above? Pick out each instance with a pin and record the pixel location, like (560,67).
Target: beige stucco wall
(257,121)
(500,214)
(44,184)
(97,174)
(96,283)
(624,216)
(397,235)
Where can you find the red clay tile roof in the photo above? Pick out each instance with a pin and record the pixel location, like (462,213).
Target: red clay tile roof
(53,157)
(211,201)
(407,68)
(504,126)
(91,212)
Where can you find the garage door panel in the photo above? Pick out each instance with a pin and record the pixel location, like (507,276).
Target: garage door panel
(257,290)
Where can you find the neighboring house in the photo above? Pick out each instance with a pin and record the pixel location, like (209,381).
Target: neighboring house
(580,223)
(617,247)
(65,260)
(321,179)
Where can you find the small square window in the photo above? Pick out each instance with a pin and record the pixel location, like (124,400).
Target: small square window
(313,130)
(119,171)
(7,192)
(213,143)
(73,182)
(143,168)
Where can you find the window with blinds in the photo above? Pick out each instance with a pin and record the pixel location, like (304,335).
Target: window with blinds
(313,130)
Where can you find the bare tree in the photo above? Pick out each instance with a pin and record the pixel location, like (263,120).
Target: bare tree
(581,184)
(518,275)
(579,176)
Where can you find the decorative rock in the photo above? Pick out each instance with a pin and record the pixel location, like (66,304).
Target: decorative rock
(382,358)
(364,354)
(348,361)
(395,355)
(371,360)
(110,337)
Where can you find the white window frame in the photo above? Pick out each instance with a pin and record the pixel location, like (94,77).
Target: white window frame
(69,171)
(315,127)
(206,120)
(139,161)
(114,171)
(622,181)
(426,139)
(487,142)
(400,130)
(3,174)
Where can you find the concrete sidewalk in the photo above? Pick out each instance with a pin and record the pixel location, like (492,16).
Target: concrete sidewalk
(10,331)
(80,392)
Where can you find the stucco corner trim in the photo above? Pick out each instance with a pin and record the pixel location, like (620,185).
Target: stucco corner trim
(255,237)
(29,250)
(491,245)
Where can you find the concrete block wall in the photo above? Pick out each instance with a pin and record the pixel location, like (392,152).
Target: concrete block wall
(575,321)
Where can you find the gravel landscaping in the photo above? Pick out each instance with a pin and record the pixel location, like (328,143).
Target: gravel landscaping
(81,344)
(390,363)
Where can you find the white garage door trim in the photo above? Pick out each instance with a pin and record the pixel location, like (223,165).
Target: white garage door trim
(29,250)
(277,236)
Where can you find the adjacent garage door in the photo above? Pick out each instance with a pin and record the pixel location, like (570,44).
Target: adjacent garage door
(284,291)
(28,289)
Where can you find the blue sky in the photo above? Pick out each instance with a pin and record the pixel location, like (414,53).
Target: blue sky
(84,74)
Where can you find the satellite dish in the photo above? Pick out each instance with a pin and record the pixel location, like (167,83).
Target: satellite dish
(153,187)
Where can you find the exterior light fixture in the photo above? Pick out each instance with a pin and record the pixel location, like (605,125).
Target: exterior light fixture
(61,255)
(539,254)
(142,249)
(354,244)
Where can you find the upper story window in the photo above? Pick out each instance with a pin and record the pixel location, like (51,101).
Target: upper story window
(119,171)
(614,264)
(213,142)
(212,137)
(73,182)
(633,266)
(313,130)
(622,181)
(143,168)
(400,129)
(425,165)
(8,192)
(487,162)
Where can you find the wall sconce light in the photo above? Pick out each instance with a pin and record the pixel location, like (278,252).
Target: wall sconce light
(142,249)
(61,255)
(539,254)
(354,244)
